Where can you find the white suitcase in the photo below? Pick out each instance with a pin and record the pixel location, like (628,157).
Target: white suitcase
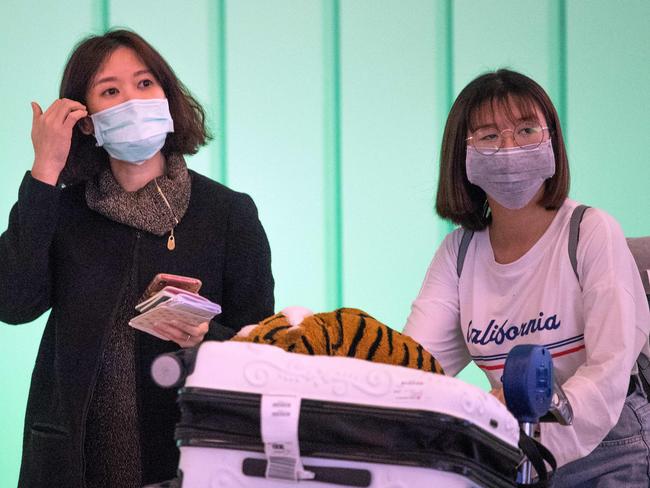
(335,421)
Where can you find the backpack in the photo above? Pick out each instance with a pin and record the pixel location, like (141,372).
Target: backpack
(639,247)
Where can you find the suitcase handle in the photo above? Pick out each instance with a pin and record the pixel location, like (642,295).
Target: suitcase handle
(336,476)
(170,370)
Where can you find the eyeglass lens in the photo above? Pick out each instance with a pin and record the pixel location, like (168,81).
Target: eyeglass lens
(527,135)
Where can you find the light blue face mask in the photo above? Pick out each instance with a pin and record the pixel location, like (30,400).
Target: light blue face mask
(133,131)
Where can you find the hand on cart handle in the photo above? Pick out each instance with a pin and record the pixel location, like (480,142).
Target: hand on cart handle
(498,394)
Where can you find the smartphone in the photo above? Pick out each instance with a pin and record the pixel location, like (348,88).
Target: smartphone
(161,280)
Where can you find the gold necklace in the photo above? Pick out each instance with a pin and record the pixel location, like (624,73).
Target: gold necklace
(171,241)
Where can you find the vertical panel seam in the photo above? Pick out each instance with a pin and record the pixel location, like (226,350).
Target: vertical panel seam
(222,79)
(332,153)
(562,62)
(449,48)
(105,15)
(444,68)
(337,158)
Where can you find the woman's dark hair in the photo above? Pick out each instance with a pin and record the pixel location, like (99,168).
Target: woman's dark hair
(464,203)
(190,131)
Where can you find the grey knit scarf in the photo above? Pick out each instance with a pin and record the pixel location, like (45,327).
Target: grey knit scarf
(143,209)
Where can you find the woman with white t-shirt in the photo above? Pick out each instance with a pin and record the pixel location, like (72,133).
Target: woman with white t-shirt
(504,175)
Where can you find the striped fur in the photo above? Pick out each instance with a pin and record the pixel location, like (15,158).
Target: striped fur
(344,332)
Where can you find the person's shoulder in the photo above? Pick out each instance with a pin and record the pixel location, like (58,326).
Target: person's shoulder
(208,190)
(451,243)
(597,226)
(204,184)
(598,220)
(453,239)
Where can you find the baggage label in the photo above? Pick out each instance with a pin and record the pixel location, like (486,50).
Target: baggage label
(279,419)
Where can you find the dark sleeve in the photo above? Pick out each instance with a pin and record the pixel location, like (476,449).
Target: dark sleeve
(25,252)
(248,280)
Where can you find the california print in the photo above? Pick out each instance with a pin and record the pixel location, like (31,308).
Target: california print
(498,334)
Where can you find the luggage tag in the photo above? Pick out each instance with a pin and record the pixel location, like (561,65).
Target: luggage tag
(279,420)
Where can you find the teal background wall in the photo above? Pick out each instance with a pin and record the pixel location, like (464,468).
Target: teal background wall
(330,114)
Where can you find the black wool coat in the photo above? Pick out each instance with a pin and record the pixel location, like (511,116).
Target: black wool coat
(58,254)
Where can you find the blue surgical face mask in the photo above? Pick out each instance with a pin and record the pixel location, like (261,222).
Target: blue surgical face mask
(511,176)
(133,131)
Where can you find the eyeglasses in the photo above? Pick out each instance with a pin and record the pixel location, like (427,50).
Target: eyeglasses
(488,140)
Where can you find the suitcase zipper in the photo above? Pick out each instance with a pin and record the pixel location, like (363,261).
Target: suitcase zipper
(252,400)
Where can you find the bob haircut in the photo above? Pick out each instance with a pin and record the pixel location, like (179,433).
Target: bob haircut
(85,159)
(457,199)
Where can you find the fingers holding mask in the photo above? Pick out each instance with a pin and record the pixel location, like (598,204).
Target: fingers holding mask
(72,117)
(59,117)
(183,334)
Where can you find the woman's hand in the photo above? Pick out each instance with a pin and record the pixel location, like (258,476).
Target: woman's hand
(498,394)
(52,135)
(183,334)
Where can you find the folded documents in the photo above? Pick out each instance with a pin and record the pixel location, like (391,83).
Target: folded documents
(170,304)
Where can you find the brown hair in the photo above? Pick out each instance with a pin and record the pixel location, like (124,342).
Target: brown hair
(190,131)
(457,199)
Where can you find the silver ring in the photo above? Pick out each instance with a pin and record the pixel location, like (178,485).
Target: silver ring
(187,341)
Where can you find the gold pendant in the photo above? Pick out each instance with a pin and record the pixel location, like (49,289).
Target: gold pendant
(171,242)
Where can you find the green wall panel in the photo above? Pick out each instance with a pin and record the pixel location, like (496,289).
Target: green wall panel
(33,55)
(186,34)
(608,53)
(388,152)
(520,35)
(275,135)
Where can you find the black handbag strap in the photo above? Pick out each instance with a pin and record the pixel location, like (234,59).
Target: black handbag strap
(538,455)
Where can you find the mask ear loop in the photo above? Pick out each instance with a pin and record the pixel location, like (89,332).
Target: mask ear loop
(487,212)
(486,209)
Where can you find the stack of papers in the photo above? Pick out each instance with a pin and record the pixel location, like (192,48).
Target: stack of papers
(172,303)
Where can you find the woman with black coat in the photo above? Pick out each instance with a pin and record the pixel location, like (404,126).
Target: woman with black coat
(108,204)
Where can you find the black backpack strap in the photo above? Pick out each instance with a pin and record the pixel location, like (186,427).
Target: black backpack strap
(574,235)
(462,250)
(643,363)
(537,454)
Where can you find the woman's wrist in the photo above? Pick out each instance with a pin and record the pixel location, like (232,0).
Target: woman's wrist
(44,175)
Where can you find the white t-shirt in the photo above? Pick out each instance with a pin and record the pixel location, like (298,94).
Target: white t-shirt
(594,329)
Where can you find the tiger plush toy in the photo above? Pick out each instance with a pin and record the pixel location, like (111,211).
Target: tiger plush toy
(343,332)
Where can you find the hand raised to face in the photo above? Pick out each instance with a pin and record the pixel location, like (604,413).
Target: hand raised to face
(52,136)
